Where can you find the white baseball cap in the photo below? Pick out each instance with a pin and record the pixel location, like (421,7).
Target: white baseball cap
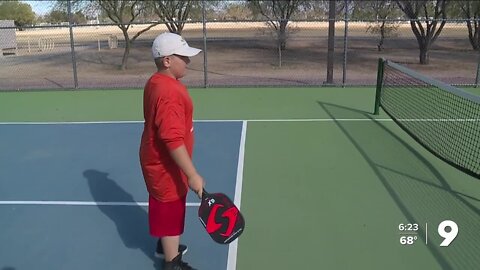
(167,44)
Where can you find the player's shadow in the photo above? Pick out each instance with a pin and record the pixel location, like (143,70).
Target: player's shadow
(131,221)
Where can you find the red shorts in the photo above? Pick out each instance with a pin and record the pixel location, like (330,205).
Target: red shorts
(166,218)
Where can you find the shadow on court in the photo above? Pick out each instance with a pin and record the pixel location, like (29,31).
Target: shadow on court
(419,189)
(8,268)
(131,221)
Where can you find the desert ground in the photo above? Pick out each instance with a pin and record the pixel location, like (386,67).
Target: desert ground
(236,54)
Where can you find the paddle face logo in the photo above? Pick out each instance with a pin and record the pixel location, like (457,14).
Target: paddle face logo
(231,214)
(221,218)
(212,225)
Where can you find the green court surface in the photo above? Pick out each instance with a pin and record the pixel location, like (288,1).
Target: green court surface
(326,184)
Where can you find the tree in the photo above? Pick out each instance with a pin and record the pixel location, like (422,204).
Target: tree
(79,18)
(56,16)
(278,14)
(174,13)
(433,14)
(469,10)
(383,12)
(59,14)
(82,8)
(213,9)
(124,13)
(314,10)
(20,13)
(237,11)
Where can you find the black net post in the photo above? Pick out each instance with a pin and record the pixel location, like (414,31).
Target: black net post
(379,85)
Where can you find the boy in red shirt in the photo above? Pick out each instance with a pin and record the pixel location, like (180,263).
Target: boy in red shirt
(166,147)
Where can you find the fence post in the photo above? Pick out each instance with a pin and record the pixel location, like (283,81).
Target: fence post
(72,45)
(280,38)
(331,41)
(478,72)
(205,66)
(345,47)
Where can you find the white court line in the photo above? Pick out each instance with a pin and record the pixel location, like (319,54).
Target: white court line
(255,120)
(233,247)
(362,120)
(102,122)
(70,123)
(82,203)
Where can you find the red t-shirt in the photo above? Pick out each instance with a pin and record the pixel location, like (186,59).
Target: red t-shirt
(168,113)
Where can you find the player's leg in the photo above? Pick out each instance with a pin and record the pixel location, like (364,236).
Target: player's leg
(170,247)
(167,221)
(159,250)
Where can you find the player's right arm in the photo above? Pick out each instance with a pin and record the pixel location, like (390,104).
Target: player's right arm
(183,160)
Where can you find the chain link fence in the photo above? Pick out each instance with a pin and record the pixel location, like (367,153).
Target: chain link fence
(235,53)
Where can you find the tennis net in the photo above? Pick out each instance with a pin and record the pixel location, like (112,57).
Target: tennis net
(442,118)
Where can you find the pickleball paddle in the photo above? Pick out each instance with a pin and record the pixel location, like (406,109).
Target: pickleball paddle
(220,217)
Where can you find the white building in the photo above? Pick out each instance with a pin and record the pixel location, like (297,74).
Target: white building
(8,37)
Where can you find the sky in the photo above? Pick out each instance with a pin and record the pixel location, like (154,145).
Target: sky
(40,7)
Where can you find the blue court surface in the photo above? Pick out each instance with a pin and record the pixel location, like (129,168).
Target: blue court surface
(72,196)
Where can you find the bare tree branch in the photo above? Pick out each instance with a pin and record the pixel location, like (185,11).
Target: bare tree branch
(124,13)
(427,35)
